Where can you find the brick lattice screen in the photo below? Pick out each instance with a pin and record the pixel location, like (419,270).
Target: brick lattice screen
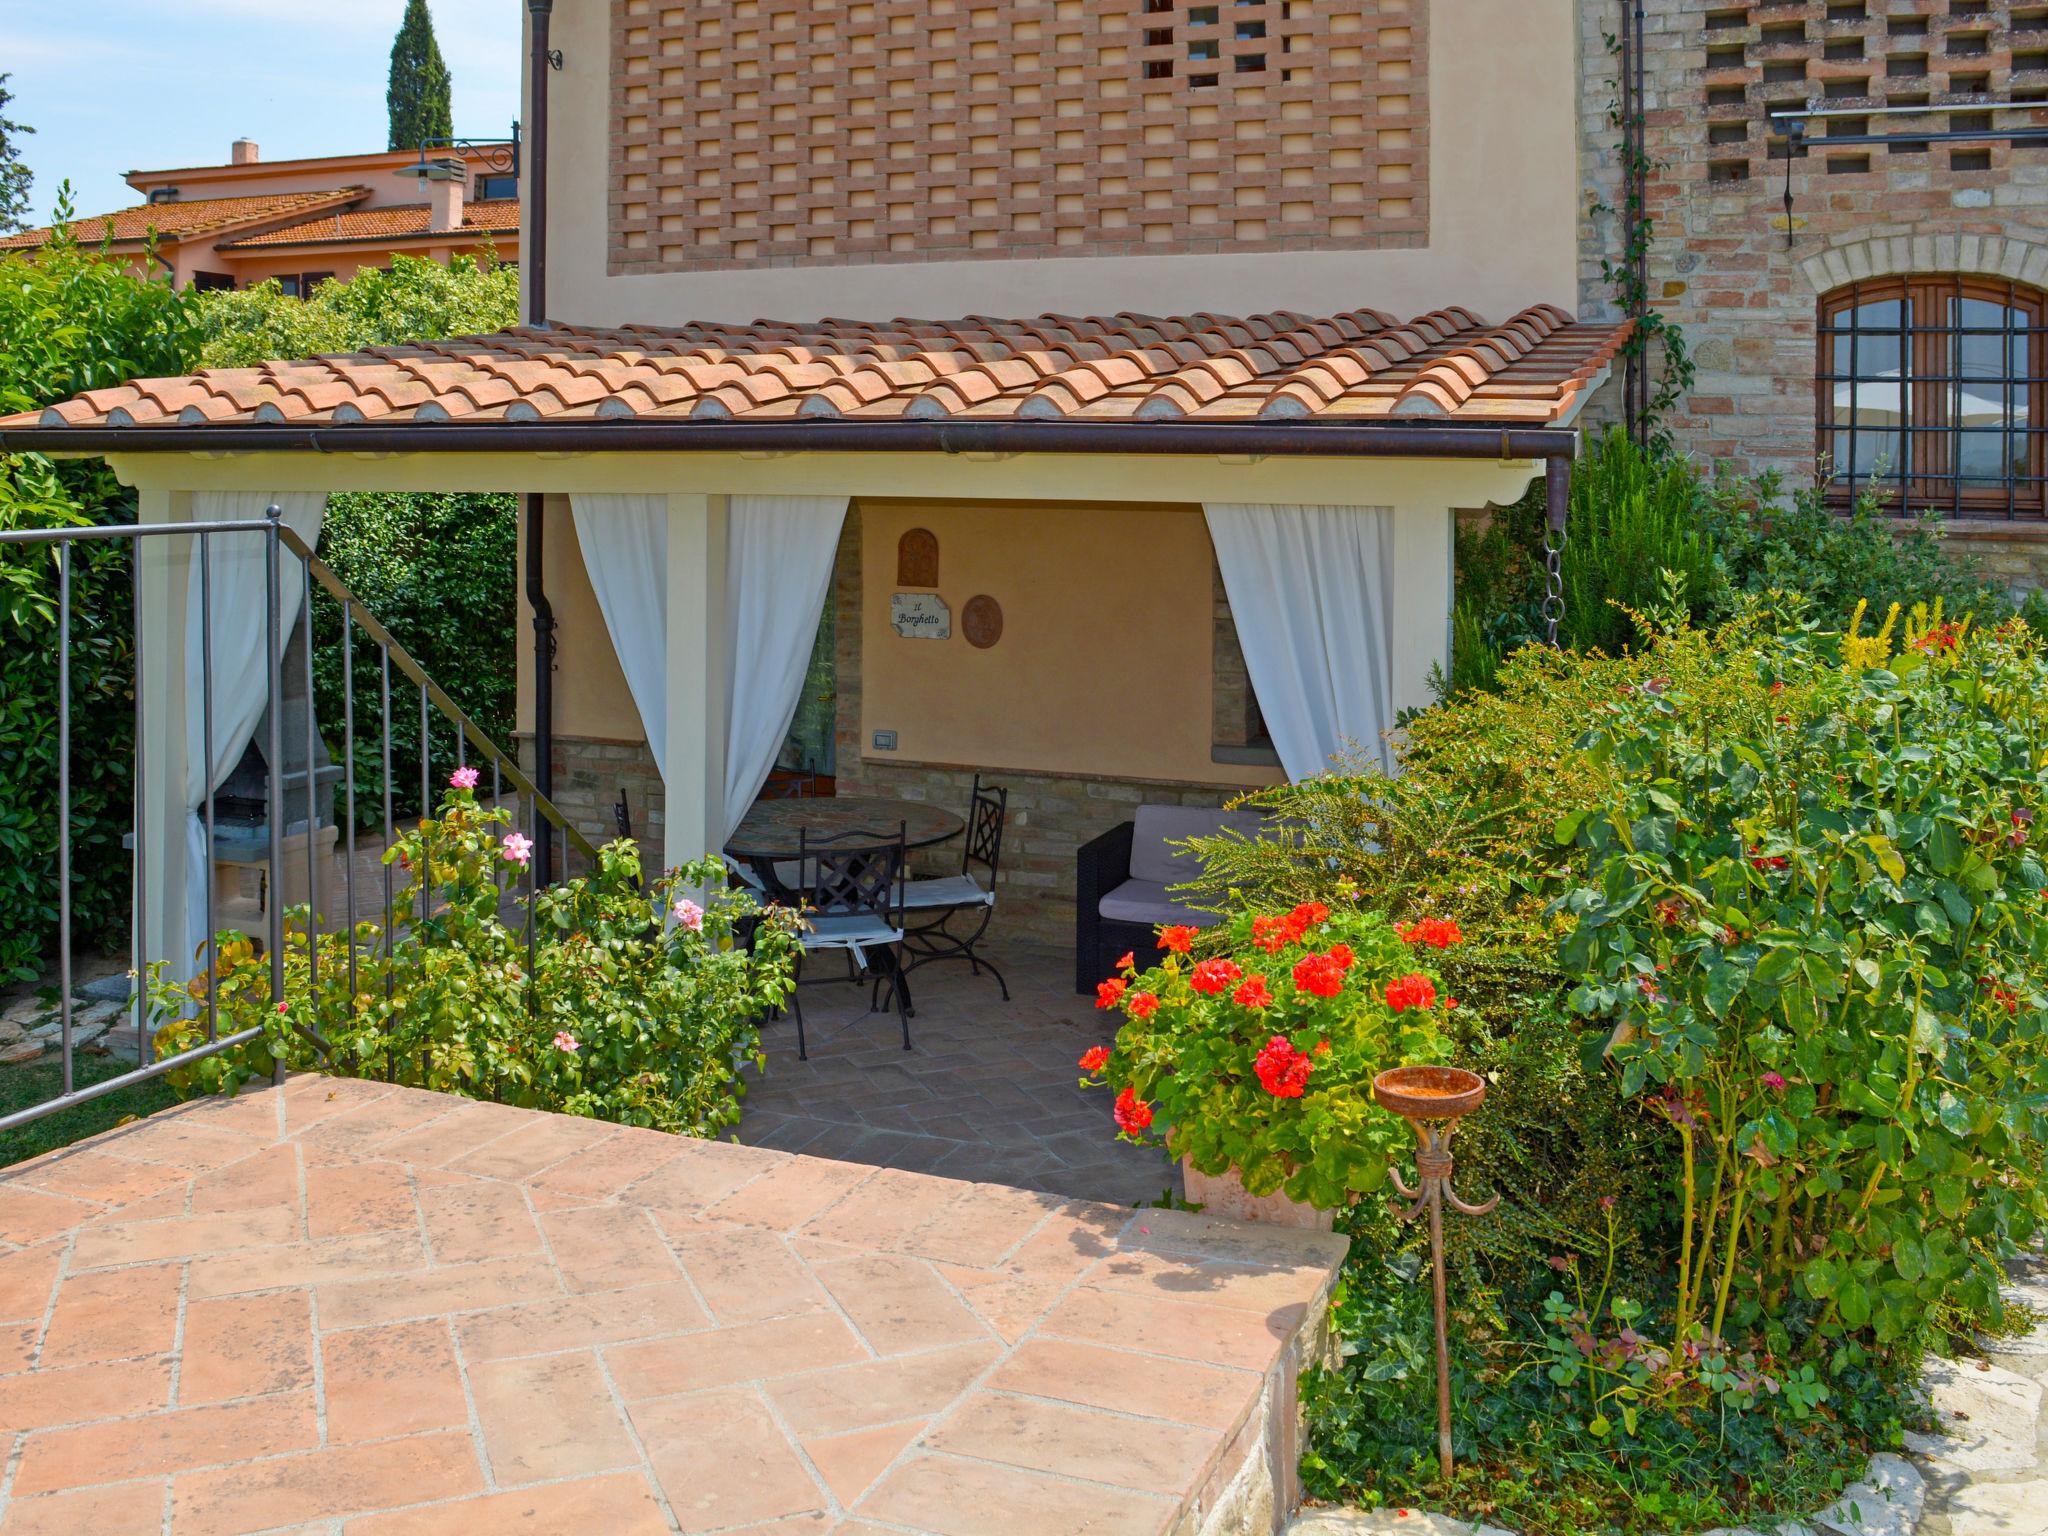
(1845,54)
(792,133)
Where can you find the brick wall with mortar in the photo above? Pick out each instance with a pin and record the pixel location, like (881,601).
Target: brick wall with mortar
(1721,265)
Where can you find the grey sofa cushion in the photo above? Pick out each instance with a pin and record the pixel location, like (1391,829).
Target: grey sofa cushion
(1156,826)
(1146,901)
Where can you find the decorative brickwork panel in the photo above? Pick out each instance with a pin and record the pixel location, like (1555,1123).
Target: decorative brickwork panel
(1739,273)
(795,132)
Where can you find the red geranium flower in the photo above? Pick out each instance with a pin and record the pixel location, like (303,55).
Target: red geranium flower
(1283,1071)
(1095,1058)
(1213,976)
(1253,994)
(1319,975)
(1109,993)
(1308,915)
(1414,991)
(1132,1113)
(1436,932)
(1141,1005)
(1341,953)
(1129,961)
(1177,939)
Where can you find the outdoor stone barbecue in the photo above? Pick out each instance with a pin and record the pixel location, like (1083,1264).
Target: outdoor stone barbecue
(342,1306)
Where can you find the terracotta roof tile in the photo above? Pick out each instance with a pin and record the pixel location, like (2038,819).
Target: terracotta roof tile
(1360,365)
(496,216)
(184,220)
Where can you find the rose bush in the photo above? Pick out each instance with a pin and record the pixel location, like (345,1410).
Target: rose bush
(1260,1056)
(632,1002)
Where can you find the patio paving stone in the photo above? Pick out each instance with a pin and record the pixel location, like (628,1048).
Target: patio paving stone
(467,1317)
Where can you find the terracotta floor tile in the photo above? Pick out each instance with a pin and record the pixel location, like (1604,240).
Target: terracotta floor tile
(28,1215)
(1250,1287)
(746,1274)
(791,1193)
(1076,1442)
(881,1392)
(265,1181)
(602,1170)
(294,1264)
(980,1229)
(165,1442)
(608,1247)
(1010,1304)
(1185,1330)
(884,1211)
(1075,1237)
(722,1461)
(120,1509)
(851,1463)
(185,1139)
(352,1199)
(80,1393)
(702,1174)
(620,1504)
(86,1173)
(579,1322)
(970,1498)
(548,1416)
(311,1100)
(18,1346)
(1207,1395)
(899,1303)
(113,1316)
(26,1276)
(539,1144)
(363,1130)
(472,1219)
(447,1137)
(450,1288)
(397,1379)
(748,1352)
(180,1237)
(320,1484)
(1232,1242)
(242,1346)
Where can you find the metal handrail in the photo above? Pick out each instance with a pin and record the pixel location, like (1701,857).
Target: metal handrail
(353,607)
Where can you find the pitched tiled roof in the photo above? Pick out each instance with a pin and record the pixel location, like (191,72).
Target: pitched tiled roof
(498,216)
(1356,366)
(183,220)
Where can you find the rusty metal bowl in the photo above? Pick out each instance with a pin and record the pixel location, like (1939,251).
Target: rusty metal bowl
(1429,1093)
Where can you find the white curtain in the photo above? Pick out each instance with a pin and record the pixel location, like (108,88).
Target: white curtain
(778,569)
(236,599)
(1311,590)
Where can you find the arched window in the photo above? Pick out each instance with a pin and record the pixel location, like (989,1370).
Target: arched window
(1930,390)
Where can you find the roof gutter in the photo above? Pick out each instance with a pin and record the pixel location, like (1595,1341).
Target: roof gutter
(1295,439)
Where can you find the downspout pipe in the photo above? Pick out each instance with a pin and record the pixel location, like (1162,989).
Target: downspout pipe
(533,251)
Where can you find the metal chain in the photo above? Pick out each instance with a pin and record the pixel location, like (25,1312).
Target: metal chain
(1553,581)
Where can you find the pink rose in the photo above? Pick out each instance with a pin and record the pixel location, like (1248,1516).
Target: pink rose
(564,1041)
(518,847)
(463,778)
(690,915)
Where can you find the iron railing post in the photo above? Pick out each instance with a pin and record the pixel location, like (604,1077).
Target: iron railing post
(273,664)
(64,805)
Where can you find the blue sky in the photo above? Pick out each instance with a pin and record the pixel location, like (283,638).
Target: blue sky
(118,85)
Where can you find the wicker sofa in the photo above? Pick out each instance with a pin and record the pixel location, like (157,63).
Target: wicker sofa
(1124,881)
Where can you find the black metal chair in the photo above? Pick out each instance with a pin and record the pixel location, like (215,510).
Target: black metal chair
(783,785)
(932,939)
(853,896)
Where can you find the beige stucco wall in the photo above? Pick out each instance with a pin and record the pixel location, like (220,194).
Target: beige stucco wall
(591,697)
(1104,665)
(1503,197)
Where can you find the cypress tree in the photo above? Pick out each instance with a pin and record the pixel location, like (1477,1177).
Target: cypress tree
(418,95)
(14,176)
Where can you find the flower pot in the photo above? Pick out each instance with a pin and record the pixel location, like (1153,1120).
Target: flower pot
(1224,1195)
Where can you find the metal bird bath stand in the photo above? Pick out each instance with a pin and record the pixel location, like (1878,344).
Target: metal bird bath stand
(1433,1100)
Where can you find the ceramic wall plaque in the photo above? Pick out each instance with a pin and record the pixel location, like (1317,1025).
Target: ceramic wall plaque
(917,558)
(920,616)
(981,621)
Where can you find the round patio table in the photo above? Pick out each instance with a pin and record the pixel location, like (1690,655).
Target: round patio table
(772,829)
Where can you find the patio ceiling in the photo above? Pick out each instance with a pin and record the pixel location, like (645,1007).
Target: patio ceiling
(1361,367)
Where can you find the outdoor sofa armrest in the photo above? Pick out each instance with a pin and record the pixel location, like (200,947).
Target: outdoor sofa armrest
(1100,866)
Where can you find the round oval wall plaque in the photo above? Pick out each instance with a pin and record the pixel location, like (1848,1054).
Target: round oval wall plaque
(981,621)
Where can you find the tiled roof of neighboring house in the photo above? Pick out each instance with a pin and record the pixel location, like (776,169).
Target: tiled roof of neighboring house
(183,220)
(498,216)
(1357,366)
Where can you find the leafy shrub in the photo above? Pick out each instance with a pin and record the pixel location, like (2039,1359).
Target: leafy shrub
(1633,518)
(1261,1056)
(439,572)
(638,1005)
(69,321)
(413,300)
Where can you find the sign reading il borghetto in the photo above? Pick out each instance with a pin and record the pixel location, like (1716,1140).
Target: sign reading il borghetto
(920,616)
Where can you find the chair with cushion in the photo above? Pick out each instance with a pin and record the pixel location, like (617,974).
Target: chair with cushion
(932,904)
(1125,879)
(854,904)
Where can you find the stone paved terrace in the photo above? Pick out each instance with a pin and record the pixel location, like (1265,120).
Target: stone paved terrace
(989,1090)
(341,1307)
